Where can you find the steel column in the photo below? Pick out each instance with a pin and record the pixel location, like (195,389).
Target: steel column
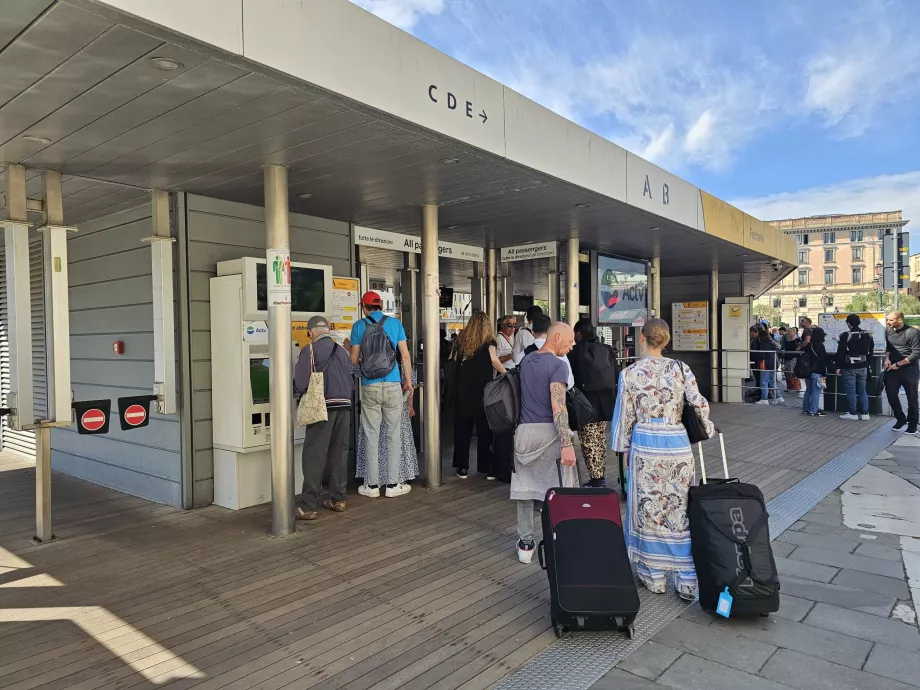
(491,286)
(164,321)
(431,401)
(714,334)
(552,293)
(656,288)
(278,240)
(572,297)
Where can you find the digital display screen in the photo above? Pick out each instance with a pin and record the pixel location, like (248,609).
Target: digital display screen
(308,289)
(259,380)
(622,291)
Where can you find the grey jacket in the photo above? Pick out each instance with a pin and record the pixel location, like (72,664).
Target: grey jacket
(333,361)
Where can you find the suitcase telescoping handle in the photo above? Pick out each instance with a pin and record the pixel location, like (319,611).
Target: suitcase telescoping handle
(559,472)
(724,461)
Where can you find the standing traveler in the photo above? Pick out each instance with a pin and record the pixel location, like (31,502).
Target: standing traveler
(479,357)
(854,356)
(647,424)
(541,326)
(790,346)
(766,352)
(902,369)
(375,341)
(542,438)
(812,366)
(525,336)
(754,358)
(325,444)
(594,366)
(507,326)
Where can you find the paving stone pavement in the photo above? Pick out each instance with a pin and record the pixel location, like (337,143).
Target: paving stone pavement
(836,627)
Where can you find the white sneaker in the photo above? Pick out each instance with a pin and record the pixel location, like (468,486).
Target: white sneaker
(864,418)
(364,490)
(779,400)
(398,490)
(849,417)
(525,551)
(762,402)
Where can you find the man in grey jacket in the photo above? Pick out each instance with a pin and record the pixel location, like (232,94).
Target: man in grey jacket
(325,443)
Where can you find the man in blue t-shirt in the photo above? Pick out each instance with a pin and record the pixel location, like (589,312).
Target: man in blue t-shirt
(382,400)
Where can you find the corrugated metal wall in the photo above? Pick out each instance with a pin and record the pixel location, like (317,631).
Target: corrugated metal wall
(213,231)
(23,442)
(111,299)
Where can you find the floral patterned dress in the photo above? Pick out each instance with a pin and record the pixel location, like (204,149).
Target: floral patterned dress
(646,425)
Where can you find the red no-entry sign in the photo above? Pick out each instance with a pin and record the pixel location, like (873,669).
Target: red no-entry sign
(135,415)
(134,412)
(93,419)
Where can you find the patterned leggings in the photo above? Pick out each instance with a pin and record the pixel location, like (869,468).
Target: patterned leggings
(594,442)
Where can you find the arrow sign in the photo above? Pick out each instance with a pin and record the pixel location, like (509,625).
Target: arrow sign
(483,116)
(92,416)
(134,412)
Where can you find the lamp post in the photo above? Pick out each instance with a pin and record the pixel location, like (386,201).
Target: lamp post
(825,298)
(879,285)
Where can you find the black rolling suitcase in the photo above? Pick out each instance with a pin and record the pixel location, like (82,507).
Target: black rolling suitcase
(730,540)
(583,552)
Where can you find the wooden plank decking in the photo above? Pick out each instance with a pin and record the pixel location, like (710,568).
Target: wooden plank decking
(418,592)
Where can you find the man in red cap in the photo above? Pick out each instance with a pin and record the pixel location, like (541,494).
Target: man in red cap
(375,341)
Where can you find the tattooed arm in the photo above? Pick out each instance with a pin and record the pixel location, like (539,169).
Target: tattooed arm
(561,420)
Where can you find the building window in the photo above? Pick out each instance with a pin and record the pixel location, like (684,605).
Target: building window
(801,239)
(856,235)
(828,256)
(803,257)
(828,276)
(803,277)
(777,302)
(803,302)
(830,237)
(857,275)
(857,253)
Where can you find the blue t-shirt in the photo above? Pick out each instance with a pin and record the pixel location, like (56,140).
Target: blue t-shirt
(538,371)
(397,334)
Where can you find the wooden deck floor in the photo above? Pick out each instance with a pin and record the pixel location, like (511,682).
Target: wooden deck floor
(418,592)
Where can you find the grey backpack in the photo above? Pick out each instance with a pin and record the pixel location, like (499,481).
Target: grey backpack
(378,356)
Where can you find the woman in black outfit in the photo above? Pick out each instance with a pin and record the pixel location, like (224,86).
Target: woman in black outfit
(476,350)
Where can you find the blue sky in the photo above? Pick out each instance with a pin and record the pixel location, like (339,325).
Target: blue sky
(785,108)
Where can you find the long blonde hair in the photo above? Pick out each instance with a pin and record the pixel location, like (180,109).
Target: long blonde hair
(477,333)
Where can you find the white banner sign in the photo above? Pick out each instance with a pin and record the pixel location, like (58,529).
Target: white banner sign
(396,241)
(522,252)
(278,269)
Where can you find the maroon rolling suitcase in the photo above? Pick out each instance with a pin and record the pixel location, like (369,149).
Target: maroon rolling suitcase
(583,551)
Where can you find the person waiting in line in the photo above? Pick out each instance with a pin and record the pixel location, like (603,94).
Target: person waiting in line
(766,354)
(647,425)
(325,444)
(902,369)
(812,347)
(790,346)
(479,363)
(541,326)
(586,358)
(525,336)
(854,357)
(382,397)
(754,358)
(542,438)
(507,325)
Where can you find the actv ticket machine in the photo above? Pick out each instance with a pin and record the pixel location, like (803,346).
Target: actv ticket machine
(240,366)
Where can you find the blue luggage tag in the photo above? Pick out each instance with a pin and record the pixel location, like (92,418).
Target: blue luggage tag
(724,607)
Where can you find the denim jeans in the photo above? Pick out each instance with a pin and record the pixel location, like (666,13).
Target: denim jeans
(854,383)
(812,394)
(767,383)
(382,403)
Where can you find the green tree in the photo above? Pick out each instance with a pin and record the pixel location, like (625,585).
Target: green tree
(764,310)
(868,302)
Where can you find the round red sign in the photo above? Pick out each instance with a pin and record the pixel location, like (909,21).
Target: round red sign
(135,415)
(92,420)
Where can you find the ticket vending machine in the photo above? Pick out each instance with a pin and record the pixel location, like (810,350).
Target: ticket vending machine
(240,365)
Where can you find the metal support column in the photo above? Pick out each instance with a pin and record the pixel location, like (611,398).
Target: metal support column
(552,293)
(656,288)
(164,321)
(431,401)
(278,246)
(572,297)
(715,392)
(409,301)
(491,286)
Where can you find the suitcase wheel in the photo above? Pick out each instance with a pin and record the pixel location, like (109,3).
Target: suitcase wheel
(559,629)
(631,631)
(764,615)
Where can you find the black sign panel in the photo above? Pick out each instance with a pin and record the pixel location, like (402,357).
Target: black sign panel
(92,416)
(134,411)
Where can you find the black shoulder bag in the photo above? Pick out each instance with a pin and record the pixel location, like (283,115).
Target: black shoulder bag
(696,430)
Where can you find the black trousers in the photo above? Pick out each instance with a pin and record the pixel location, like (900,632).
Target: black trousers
(909,378)
(325,445)
(503,456)
(463,435)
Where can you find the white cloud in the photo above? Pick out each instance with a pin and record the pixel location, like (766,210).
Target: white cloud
(869,194)
(402,13)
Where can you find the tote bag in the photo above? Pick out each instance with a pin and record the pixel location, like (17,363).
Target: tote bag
(312,406)
(696,431)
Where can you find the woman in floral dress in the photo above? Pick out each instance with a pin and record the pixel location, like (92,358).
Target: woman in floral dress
(646,425)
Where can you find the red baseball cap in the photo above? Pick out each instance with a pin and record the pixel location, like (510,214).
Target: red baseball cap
(371,299)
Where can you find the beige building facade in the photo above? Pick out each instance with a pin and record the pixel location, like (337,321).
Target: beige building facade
(839,256)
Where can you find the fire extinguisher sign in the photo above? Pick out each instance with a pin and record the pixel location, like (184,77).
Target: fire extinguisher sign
(278,275)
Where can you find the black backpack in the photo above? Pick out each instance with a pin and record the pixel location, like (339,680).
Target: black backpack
(378,356)
(598,369)
(580,410)
(501,401)
(805,363)
(858,343)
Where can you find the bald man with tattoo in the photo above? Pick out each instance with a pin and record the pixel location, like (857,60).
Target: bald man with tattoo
(543,435)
